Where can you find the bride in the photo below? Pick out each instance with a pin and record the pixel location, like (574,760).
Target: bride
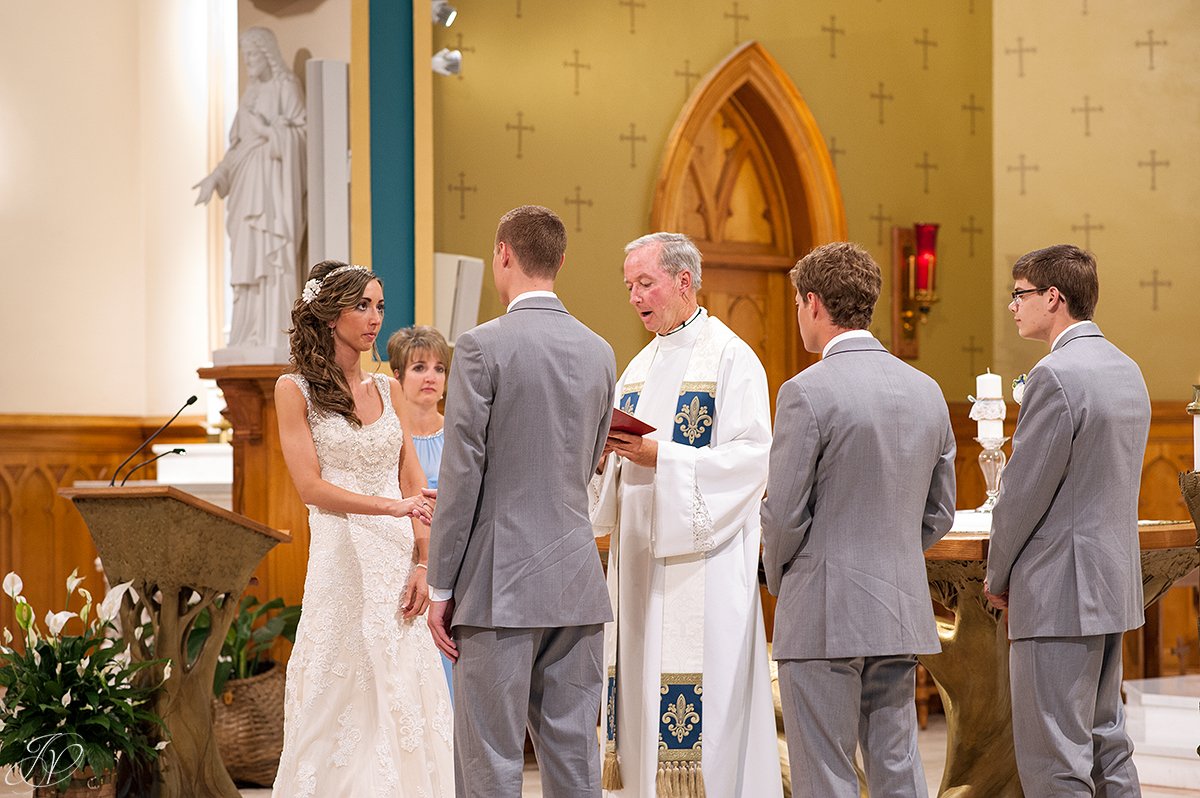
(367,712)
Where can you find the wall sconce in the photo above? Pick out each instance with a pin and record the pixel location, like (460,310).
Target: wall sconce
(443,13)
(914,284)
(447,62)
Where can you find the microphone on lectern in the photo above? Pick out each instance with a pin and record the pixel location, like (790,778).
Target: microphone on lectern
(147,462)
(112,482)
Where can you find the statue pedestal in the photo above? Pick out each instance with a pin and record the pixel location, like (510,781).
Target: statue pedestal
(262,486)
(251,356)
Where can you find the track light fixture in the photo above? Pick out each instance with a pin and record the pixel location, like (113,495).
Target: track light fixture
(443,13)
(447,62)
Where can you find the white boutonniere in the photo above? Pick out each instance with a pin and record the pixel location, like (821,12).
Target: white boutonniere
(1019,388)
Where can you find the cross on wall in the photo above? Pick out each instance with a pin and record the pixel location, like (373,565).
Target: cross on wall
(634,139)
(925,43)
(738,18)
(1087,110)
(1154,284)
(834,31)
(462,188)
(1086,228)
(927,167)
(1019,51)
(834,151)
(521,128)
(688,75)
(1023,167)
(577,66)
(1153,165)
(879,220)
(972,349)
(882,98)
(1149,44)
(971,230)
(462,48)
(633,5)
(972,108)
(578,202)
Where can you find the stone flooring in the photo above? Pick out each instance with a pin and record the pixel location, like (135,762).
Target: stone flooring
(933,754)
(932,744)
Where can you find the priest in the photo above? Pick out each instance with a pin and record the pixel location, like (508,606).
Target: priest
(689,709)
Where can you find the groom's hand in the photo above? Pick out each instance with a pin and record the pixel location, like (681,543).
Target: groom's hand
(440,613)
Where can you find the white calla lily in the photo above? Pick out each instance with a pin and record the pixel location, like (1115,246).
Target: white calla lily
(13,584)
(112,602)
(55,621)
(73,581)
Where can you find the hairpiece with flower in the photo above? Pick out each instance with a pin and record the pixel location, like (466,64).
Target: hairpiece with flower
(312,288)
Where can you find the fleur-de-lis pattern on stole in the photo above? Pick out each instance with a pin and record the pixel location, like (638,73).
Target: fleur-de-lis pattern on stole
(681,710)
(629,397)
(695,414)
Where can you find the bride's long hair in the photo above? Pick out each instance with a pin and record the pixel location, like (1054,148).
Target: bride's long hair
(311,336)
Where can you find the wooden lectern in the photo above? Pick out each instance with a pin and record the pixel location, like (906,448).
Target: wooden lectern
(182,555)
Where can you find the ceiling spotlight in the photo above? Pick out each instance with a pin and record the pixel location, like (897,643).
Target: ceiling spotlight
(447,62)
(443,13)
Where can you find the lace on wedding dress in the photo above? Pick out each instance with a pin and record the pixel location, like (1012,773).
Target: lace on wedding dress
(367,711)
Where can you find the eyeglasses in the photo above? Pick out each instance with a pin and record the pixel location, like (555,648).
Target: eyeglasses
(1020,293)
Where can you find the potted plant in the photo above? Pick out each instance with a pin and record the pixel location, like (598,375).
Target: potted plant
(74,705)
(248,687)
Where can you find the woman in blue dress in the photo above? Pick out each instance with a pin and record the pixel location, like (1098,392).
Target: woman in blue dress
(419,357)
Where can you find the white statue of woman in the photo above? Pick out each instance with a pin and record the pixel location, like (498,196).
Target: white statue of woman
(262,178)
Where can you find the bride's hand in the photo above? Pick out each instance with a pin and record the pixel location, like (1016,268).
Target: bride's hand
(416,507)
(416,595)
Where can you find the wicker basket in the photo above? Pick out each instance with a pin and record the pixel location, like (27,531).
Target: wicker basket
(248,726)
(83,785)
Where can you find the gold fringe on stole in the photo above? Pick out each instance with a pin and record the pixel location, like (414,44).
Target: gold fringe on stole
(680,780)
(610,774)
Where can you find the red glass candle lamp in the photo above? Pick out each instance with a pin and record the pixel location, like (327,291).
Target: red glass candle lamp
(923,267)
(914,284)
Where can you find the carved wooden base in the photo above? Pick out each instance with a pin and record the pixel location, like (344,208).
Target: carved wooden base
(972,671)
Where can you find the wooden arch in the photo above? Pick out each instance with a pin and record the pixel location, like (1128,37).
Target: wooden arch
(747,175)
(750,94)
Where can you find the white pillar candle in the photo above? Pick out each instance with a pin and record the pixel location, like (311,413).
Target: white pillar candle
(1196,442)
(991,428)
(987,386)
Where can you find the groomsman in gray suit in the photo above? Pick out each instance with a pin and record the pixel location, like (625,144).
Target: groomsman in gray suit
(519,598)
(861,482)
(1064,545)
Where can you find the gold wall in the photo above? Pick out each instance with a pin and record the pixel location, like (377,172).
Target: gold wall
(634,60)
(1093,169)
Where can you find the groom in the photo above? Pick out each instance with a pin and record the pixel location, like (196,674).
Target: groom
(519,600)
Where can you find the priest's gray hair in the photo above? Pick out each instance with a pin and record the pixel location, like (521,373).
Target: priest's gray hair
(676,253)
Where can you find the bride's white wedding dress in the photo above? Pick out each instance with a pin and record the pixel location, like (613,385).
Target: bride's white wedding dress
(367,711)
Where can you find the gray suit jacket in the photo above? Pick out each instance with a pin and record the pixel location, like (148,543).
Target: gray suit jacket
(1064,531)
(527,412)
(861,482)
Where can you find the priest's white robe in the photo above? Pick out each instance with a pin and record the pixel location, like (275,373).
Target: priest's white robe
(662,516)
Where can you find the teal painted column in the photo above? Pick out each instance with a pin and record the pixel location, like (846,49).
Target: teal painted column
(392,200)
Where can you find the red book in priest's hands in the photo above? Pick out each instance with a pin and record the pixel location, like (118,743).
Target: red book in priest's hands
(623,422)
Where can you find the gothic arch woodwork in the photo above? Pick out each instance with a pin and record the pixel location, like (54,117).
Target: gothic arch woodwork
(747,175)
